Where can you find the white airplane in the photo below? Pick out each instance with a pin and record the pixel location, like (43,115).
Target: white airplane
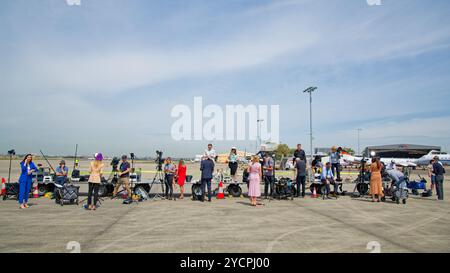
(444,158)
(346,159)
(404,162)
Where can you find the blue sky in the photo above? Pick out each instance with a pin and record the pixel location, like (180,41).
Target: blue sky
(106,74)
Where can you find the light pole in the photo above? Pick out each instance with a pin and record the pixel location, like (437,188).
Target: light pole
(359,131)
(258,141)
(310,90)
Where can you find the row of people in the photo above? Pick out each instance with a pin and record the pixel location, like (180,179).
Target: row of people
(258,172)
(178,174)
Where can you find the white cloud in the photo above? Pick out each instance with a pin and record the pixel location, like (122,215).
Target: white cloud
(310,35)
(117,70)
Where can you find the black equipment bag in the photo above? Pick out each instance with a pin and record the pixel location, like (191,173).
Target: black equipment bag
(246,176)
(127,201)
(140,190)
(189,178)
(427,193)
(12,189)
(76,174)
(68,194)
(234,190)
(196,192)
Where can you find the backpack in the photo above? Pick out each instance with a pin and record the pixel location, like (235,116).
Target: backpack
(67,194)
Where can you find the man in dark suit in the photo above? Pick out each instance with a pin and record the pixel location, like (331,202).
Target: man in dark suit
(439,171)
(299,153)
(207,169)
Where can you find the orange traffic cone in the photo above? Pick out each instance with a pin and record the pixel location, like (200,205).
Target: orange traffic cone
(220,195)
(36,192)
(3,186)
(314,194)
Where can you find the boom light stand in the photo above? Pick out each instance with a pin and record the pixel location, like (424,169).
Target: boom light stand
(310,90)
(75,177)
(11,153)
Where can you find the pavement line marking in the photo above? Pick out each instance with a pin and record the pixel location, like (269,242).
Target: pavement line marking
(271,244)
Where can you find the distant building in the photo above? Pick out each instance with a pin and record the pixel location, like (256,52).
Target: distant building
(400,150)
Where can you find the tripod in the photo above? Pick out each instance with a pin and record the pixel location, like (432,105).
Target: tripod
(159,176)
(114,181)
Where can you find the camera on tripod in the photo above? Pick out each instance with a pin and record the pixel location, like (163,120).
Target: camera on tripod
(115,163)
(159,159)
(12,152)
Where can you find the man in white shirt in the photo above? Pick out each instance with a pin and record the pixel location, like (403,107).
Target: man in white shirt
(210,153)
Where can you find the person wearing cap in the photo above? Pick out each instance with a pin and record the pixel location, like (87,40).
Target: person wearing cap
(439,171)
(95,178)
(233,163)
(391,166)
(61,173)
(335,158)
(124,177)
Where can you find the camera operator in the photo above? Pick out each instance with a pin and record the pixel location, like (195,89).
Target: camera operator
(124,177)
(269,175)
(61,174)
(170,170)
(396,176)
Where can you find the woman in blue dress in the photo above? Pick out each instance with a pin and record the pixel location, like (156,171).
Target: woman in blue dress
(25,181)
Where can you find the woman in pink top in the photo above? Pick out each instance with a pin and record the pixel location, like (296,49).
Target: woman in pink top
(254,187)
(95,179)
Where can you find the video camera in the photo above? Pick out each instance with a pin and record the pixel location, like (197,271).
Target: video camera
(159,159)
(12,152)
(114,163)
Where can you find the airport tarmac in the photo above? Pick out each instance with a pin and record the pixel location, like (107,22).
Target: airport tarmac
(230,225)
